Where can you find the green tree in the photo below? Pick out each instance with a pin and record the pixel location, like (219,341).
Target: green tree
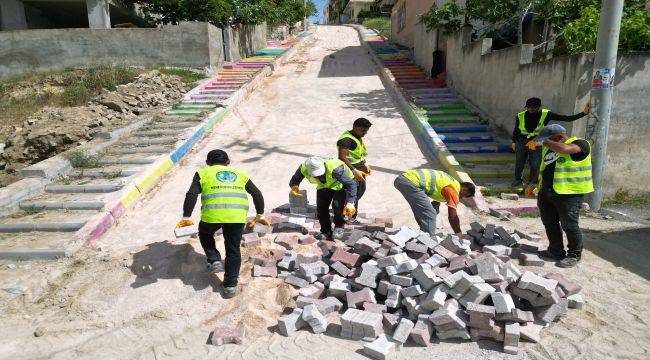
(216,12)
(251,11)
(447,17)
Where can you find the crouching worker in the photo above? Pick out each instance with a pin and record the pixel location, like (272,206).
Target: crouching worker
(224,205)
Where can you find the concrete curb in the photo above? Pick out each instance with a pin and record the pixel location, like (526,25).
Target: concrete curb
(146,180)
(434,143)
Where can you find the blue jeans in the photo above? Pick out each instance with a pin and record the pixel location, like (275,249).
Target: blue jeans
(523,155)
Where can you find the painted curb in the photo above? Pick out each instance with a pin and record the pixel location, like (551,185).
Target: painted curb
(433,142)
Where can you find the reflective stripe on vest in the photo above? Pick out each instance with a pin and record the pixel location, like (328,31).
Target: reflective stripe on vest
(432,182)
(223,195)
(330,181)
(540,125)
(570,177)
(359,153)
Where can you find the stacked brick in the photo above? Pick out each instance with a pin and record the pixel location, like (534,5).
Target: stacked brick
(391,286)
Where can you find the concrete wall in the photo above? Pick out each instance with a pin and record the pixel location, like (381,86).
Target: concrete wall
(424,44)
(188,44)
(245,40)
(498,83)
(413,11)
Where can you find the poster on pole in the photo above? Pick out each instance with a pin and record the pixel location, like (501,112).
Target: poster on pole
(603,79)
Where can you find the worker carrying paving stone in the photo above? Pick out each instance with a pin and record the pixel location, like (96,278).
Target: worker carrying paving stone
(528,124)
(421,186)
(352,151)
(335,185)
(565,179)
(224,205)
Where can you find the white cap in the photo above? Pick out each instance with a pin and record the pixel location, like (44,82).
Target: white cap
(315,166)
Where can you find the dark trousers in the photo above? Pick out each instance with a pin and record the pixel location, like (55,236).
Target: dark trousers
(558,213)
(232,235)
(325,197)
(361,185)
(523,155)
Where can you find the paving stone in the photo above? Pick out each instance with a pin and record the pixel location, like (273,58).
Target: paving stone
(355,235)
(426,240)
(296,281)
(509,196)
(228,335)
(477,293)
(510,272)
(358,324)
(347,258)
(488,267)
(444,252)
(575,301)
(393,296)
(403,330)
(425,276)
(262,229)
(374,308)
(497,249)
(338,287)
(441,272)
(436,260)
(357,298)
(569,287)
(463,285)
(528,236)
(382,287)
(261,260)
(315,319)
(313,269)
(403,235)
(340,268)
(288,262)
(478,311)
(511,340)
(531,260)
(550,313)
(422,331)
(533,282)
(414,246)
(251,240)
(314,290)
(502,302)
(401,280)
(278,254)
(529,246)
(411,306)
(401,268)
(266,271)
(506,239)
(530,332)
(369,273)
(307,240)
(477,227)
(306,259)
(453,334)
(392,260)
(380,348)
(289,324)
(326,246)
(488,233)
(412,291)
(517,315)
(390,321)
(435,299)
(454,278)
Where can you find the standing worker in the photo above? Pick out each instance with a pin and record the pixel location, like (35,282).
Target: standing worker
(335,185)
(420,186)
(352,151)
(565,179)
(528,124)
(224,205)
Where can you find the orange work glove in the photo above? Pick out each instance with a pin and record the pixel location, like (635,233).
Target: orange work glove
(532,145)
(295,191)
(368,170)
(529,191)
(513,146)
(359,175)
(586,108)
(349,210)
(185,222)
(258,219)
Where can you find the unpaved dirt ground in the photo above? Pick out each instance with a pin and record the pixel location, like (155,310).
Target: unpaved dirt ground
(142,294)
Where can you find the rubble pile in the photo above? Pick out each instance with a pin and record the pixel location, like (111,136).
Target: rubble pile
(388,286)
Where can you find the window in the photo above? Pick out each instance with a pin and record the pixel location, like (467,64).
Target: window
(401,17)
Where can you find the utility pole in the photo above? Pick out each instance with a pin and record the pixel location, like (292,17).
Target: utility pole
(304,21)
(602,83)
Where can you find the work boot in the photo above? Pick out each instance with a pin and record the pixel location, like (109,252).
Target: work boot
(548,255)
(215,267)
(517,184)
(229,292)
(323,236)
(338,233)
(568,262)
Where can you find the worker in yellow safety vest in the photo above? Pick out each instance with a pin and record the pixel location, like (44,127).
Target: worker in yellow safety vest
(425,189)
(224,205)
(528,124)
(565,178)
(352,151)
(335,186)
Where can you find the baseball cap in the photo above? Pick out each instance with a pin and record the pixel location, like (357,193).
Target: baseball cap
(534,102)
(548,131)
(315,166)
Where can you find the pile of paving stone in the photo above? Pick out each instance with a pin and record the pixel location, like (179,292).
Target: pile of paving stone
(388,286)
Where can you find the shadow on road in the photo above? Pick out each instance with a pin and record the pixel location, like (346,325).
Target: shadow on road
(629,248)
(164,260)
(350,61)
(375,102)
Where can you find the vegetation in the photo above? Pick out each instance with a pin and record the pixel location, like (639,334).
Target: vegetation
(575,23)
(624,197)
(81,159)
(188,76)
(380,25)
(224,13)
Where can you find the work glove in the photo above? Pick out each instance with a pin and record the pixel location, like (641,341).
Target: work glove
(185,222)
(349,210)
(259,218)
(529,191)
(295,191)
(359,175)
(586,108)
(368,170)
(532,145)
(513,146)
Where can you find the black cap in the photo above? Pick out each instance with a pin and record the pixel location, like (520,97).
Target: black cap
(217,157)
(534,102)
(362,122)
